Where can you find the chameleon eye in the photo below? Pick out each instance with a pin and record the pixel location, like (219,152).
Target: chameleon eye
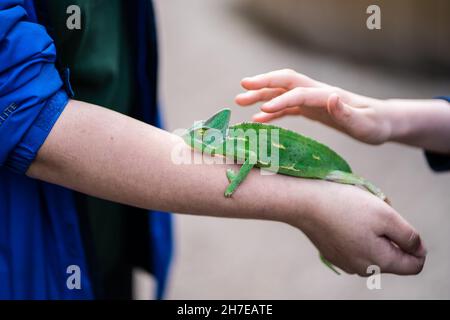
(201,131)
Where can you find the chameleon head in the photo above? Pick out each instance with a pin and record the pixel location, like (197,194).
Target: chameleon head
(204,133)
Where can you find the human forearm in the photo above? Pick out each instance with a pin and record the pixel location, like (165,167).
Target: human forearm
(108,155)
(420,123)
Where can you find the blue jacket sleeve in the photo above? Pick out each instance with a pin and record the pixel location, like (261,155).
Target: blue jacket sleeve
(31,90)
(438,162)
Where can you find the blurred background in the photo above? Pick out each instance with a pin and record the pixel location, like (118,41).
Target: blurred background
(206,47)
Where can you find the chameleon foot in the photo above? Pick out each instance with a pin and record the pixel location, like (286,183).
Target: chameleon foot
(230,175)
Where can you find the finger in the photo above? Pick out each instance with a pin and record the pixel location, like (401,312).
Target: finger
(263,117)
(254,96)
(399,262)
(310,97)
(308,113)
(404,236)
(267,117)
(285,78)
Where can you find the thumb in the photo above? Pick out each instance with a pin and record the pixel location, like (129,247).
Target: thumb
(405,236)
(339,111)
(397,261)
(350,120)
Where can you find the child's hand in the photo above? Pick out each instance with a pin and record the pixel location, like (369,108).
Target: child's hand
(286,92)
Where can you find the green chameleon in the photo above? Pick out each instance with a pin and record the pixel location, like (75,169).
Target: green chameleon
(273,149)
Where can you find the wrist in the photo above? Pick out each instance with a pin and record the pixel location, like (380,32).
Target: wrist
(376,125)
(393,116)
(421,123)
(408,117)
(391,120)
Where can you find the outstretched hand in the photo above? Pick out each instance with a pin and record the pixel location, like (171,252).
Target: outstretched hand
(286,92)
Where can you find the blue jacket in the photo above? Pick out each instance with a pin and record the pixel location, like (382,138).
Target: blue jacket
(438,162)
(39,228)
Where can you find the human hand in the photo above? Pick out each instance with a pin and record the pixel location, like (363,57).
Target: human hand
(353,229)
(286,92)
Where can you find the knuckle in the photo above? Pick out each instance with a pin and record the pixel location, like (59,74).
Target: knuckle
(291,76)
(336,90)
(289,72)
(302,78)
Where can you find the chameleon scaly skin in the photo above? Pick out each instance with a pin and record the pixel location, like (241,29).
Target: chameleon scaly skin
(273,149)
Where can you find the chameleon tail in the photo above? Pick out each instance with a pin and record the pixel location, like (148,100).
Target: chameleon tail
(350,178)
(328,264)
